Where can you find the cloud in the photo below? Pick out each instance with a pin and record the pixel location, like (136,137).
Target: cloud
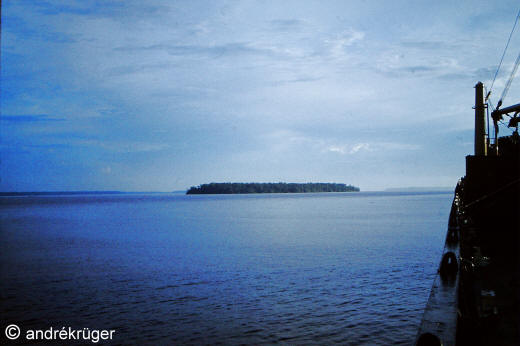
(431,45)
(98,8)
(349,149)
(26,148)
(26,33)
(134,147)
(339,44)
(360,146)
(393,63)
(138,68)
(29,118)
(348,38)
(285,25)
(290,140)
(370,147)
(301,79)
(121,147)
(211,51)
(336,149)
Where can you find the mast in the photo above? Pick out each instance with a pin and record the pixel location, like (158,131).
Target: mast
(480,121)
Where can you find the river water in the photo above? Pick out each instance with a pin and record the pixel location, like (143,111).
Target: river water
(348,268)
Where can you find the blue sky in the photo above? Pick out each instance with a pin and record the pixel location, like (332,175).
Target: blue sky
(162,95)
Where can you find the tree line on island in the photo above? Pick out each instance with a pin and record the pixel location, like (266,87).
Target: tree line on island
(228,188)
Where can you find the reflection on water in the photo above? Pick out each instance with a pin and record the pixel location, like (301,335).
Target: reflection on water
(307,268)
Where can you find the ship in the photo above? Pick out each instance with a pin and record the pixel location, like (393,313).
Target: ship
(475,296)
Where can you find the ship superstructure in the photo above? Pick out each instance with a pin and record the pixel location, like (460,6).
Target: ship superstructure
(475,298)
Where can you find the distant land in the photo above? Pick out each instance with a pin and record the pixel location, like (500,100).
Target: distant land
(421,189)
(55,193)
(229,188)
(89,192)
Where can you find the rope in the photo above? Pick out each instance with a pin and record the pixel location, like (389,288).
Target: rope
(487,120)
(489,104)
(491,194)
(511,77)
(504,53)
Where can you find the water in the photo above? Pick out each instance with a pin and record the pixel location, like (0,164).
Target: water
(351,268)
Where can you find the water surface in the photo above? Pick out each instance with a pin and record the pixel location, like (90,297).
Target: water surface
(351,268)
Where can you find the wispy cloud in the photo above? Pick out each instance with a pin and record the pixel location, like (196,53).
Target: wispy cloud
(352,149)
(359,147)
(402,63)
(337,149)
(29,118)
(212,51)
(98,8)
(340,43)
(349,149)
(138,68)
(25,32)
(133,147)
(301,79)
(120,147)
(291,140)
(287,24)
(431,45)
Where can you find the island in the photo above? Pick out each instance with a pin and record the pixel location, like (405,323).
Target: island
(229,188)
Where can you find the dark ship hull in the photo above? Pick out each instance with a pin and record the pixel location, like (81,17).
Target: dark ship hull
(475,299)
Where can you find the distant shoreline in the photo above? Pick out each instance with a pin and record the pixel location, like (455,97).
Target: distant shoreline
(420,189)
(177,192)
(47,193)
(78,193)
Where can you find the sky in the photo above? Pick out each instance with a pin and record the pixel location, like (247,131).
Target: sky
(164,95)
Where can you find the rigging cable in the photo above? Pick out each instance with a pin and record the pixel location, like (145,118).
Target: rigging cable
(504,53)
(508,84)
(488,103)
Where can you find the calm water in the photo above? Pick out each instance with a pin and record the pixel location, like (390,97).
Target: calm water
(259,269)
